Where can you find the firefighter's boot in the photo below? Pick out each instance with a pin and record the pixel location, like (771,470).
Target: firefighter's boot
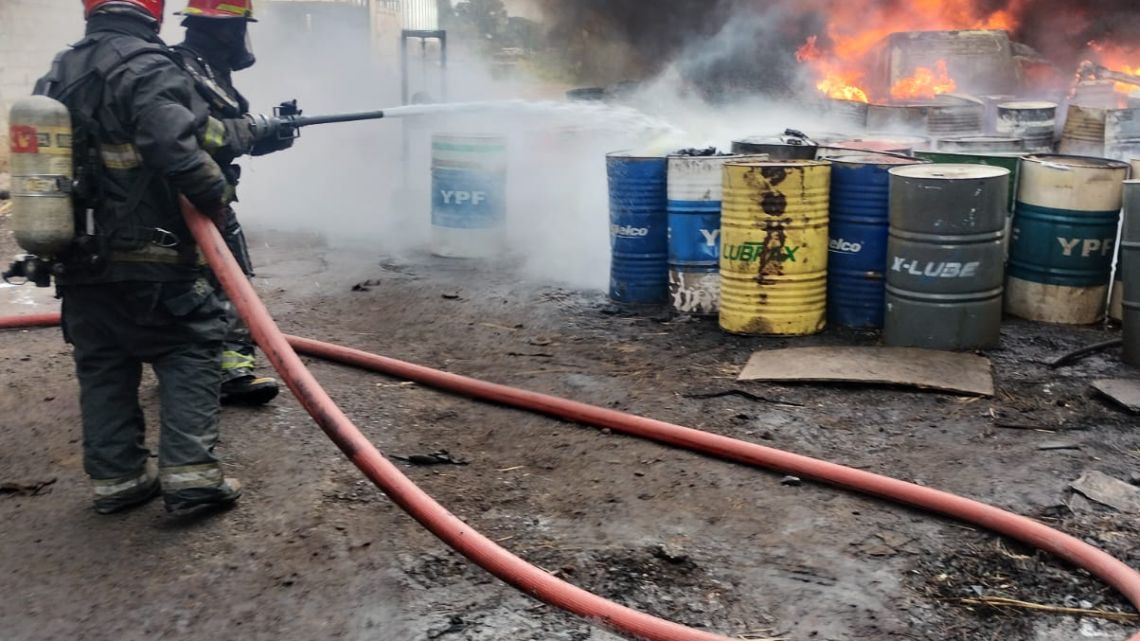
(187,500)
(116,495)
(240,385)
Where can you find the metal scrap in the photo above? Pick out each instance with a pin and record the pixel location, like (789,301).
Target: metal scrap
(1125,392)
(442,457)
(455,624)
(1106,490)
(1056,446)
(366,286)
(1065,359)
(742,394)
(27,489)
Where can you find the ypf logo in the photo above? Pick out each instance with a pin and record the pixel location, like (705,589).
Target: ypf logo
(628,231)
(473,198)
(1087,247)
(842,246)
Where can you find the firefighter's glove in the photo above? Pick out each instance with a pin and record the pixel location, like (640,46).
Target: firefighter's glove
(211,203)
(204,186)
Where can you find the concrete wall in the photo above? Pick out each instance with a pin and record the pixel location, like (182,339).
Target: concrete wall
(31,33)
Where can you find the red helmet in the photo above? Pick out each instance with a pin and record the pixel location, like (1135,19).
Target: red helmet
(218,9)
(153,8)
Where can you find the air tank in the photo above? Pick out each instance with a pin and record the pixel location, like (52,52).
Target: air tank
(42,213)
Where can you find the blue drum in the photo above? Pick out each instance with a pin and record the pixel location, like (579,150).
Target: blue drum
(639,272)
(857,256)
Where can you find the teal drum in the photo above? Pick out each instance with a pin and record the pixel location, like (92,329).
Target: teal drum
(1064,238)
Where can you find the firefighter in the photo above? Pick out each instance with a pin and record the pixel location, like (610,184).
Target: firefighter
(216,45)
(134,289)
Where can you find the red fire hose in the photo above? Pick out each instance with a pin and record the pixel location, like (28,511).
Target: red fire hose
(515,571)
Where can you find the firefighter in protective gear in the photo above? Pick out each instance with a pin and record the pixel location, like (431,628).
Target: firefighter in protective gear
(218,44)
(134,289)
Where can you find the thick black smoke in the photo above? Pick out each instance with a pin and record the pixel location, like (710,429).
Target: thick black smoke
(612,40)
(749,45)
(1063,29)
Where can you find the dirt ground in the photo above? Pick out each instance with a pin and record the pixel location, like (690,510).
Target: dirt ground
(314,552)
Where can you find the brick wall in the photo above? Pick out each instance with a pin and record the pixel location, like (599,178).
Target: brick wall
(31,33)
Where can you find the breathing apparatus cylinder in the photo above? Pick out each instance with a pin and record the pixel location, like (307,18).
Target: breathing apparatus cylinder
(43,217)
(43,214)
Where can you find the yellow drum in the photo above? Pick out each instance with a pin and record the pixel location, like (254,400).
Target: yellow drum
(773,260)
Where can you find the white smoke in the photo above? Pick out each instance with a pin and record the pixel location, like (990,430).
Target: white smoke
(338,179)
(351,181)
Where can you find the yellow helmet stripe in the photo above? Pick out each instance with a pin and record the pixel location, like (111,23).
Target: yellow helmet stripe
(238,11)
(244,11)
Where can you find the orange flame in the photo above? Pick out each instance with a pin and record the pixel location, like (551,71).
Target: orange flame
(834,83)
(925,83)
(840,88)
(856,27)
(1120,59)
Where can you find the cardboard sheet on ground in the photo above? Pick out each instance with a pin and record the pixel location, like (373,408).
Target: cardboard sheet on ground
(924,369)
(1122,390)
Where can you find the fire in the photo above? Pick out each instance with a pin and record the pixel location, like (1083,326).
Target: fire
(856,27)
(809,52)
(1120,59)
(841,88)
(925,83)
(840,85)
